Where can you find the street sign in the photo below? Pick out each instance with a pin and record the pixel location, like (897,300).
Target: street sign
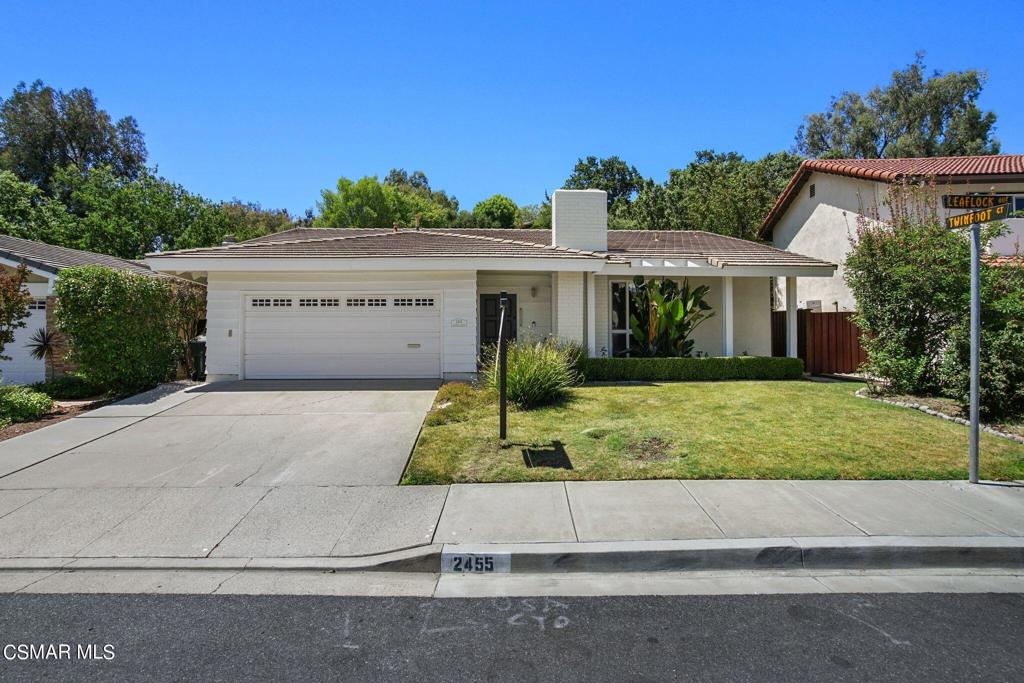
(974,201)
(992,213)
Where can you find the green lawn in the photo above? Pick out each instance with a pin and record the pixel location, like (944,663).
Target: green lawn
(690,430)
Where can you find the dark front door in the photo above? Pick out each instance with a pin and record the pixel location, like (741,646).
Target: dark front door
(490,315)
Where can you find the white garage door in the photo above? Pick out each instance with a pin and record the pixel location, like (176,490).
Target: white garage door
(22,368)
(342,335)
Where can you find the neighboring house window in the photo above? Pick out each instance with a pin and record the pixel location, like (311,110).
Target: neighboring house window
(1018,205)
(37,305)
(620,302)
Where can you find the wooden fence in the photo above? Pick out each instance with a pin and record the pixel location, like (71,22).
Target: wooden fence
(828,342)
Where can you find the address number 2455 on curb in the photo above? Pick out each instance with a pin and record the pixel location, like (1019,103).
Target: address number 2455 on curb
(472,563)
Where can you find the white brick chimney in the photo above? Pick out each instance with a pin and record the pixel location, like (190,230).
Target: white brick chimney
(579,219)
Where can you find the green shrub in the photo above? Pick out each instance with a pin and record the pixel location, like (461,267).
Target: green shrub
(538,373)
(70,387)
(23,404)
(123,329)
(1002,347)
(690,369)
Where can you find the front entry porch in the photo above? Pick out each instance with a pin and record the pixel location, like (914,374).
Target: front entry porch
(593,310)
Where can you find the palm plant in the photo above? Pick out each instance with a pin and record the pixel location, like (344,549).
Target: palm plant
(664,316)
(43,346)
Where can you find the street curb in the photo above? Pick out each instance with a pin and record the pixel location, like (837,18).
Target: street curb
(818,553)
(873,552)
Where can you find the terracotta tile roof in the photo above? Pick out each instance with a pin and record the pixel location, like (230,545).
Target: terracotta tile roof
(52,259)
(718,250)
(1006,261)
(982,168)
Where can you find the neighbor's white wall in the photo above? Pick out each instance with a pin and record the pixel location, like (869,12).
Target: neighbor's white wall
(823,226)
(225,292)
(533,298)
(579,219)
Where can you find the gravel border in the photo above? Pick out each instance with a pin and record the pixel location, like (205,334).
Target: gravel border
(863,393)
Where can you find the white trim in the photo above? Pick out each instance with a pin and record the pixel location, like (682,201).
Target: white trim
(179,264)
(727,318)
(590,295)
(621,269)
(791,318)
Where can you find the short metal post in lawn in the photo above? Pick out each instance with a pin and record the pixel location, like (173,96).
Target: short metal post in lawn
(502,366)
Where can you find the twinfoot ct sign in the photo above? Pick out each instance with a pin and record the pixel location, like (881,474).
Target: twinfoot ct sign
(984,209)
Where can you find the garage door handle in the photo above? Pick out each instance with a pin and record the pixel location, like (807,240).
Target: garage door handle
(412,346)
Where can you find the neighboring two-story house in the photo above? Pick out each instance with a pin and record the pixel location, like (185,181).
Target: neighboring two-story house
(818,212)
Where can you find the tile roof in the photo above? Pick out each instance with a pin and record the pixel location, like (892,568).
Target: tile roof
(52,258)
(346,243)
(890,170)
(719,250)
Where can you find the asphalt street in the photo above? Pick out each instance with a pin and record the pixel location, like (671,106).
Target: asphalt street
(891,637)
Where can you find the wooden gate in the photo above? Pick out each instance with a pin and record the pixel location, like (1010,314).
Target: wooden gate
(828,342)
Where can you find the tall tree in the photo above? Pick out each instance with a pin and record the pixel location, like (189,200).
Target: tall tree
(416,183)
(26,212)
(43,129)
(247,220)
(621,181)
(497,211)
(368,203)
(915,115)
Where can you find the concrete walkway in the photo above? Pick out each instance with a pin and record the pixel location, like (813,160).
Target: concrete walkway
(278,523)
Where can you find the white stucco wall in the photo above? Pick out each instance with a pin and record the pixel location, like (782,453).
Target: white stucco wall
(533,299)
(569,306)
(823,226)
(225,292)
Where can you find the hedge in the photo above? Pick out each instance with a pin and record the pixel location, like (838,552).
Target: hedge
(690,369)
(123,329)
(22,404)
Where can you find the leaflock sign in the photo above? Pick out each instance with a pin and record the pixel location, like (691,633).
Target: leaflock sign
(974,201)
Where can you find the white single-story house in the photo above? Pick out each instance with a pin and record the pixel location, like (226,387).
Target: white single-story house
(44,263)
(350,303)
(818,212)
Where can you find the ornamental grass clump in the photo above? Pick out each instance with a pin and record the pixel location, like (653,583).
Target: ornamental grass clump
(539,373)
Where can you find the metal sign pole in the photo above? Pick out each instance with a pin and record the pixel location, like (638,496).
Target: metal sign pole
(502,366)
(975,347)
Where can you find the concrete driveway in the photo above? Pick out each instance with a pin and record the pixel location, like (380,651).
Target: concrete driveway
(253,433)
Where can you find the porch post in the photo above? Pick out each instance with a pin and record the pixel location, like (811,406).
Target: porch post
(590,292)
(791,333)
(727,317)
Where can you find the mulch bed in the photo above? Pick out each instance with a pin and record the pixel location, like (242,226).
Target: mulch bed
(59,414)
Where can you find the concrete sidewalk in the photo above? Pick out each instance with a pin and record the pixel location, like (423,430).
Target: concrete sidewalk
(292,526)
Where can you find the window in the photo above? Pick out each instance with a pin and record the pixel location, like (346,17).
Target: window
(620,303)
(330,303)
(378,302)
(281,303)
(402,302)
(308,303)
(260,303)
(37,305)
(1018,204)
(424,302)
(355,303)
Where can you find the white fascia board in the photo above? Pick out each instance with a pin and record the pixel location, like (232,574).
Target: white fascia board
(50,277)
(714,271)
(178,264)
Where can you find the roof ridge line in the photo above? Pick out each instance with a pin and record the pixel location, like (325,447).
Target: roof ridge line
(227,247)
(488,238)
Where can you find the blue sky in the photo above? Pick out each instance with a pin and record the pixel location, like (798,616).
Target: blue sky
(271,102)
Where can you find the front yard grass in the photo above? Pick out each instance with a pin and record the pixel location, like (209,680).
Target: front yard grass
(698,430)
